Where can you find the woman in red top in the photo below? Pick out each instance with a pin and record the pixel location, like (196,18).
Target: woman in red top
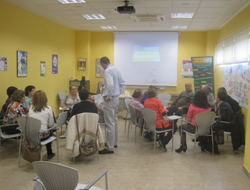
(156,105)
(199,105)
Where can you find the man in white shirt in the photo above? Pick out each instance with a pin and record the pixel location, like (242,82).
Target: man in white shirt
(113,87)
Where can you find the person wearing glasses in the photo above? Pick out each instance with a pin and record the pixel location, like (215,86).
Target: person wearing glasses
(71,99)
(184,99)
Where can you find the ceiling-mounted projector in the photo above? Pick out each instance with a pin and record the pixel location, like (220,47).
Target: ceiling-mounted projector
(126,9)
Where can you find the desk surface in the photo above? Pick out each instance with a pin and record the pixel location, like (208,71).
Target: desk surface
(173,117)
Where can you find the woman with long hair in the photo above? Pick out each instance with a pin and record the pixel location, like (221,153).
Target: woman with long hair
(199,105)
(41,111)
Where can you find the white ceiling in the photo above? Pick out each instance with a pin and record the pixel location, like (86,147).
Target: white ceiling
(209,14)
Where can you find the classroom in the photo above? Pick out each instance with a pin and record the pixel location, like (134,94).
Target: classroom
(40,37)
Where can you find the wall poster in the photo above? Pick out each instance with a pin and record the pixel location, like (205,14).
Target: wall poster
(43,68)
(81,64)
(187,69)
(21,64)
(203,71)
(236,80)
(99,69)
(54,64)
(3,63)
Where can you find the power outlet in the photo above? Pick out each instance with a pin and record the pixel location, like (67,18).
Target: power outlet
(66,89)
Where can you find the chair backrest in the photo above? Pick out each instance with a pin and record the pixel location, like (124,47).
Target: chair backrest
(62,118)
(97,96)
(149,117)
(164,98)
(30,128)
(127,100)
(61,96)
(133,114)
(204,121)
(56,176)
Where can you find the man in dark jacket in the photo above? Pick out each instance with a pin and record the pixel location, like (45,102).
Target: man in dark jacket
(184,99)
(233,103)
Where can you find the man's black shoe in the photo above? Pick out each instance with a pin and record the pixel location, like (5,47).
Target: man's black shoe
(106,151)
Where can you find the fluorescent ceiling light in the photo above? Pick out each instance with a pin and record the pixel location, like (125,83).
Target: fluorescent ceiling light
(71,1)
(108,27)
(182,15)
(179,27)
(93,16)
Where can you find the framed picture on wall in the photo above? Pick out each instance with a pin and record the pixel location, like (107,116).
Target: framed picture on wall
(21,64)
(99,69)
(3,63)
(81,64)
(43,68)
(54,64)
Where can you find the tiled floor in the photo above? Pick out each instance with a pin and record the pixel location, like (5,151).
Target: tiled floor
(132,167)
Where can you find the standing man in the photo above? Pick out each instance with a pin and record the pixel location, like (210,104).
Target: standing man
(184,99)
(113,87)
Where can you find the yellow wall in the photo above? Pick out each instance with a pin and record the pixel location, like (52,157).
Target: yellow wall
(237,24)
(22,30)
(83,45)
(102,44)
(25,31)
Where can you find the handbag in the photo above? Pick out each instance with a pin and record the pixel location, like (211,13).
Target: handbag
(88,149)
(219,136)
(31,152)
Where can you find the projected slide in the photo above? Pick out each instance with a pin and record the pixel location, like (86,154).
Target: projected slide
(146,53)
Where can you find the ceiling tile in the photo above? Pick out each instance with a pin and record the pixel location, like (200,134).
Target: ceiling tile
(158,4)
(103,5)
(209,10)
(212,16)
(214,3)
(65,13)
(158,11)
(186,4)
(54,7)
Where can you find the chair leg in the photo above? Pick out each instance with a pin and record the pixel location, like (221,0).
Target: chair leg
(128,129)
(126,122)
(19,154)
(135,134)
(195,144)
(212,144)
(57,146)
(41,159)
(154,140)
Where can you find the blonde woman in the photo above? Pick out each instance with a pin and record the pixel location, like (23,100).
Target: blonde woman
(72,98)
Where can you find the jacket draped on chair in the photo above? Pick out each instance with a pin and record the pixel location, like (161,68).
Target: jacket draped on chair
(87,124)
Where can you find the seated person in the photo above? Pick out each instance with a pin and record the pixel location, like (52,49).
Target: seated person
(156,105)
(225,111)
(85,105)
(135,102)
(199,105)
(41,111)
(146,94)
(233,103)
(210,96)
(29,91)
(184,99)
(10,91)
(14,109)
(71,99)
